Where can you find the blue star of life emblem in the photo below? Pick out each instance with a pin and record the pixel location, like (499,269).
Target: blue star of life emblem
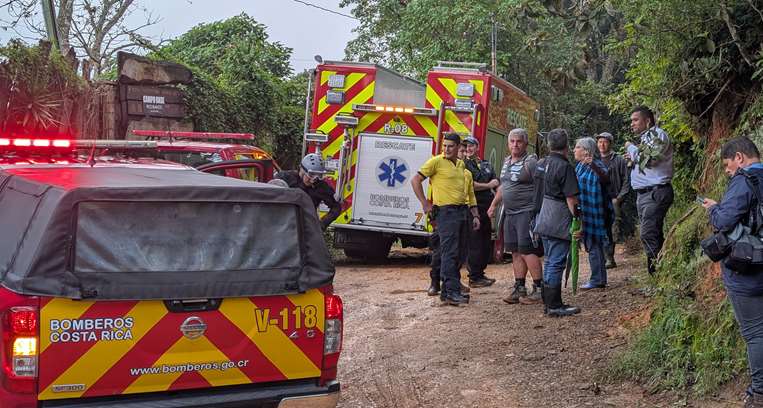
(392,172)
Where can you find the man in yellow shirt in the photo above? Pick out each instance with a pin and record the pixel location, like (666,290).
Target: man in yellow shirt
(452,199)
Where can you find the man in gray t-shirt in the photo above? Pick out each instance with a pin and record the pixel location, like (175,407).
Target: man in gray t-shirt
(517,193)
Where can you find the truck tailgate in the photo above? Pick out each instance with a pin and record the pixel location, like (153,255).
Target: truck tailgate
(100,348)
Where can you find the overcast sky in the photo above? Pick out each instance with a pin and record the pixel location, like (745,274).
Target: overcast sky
(307,30)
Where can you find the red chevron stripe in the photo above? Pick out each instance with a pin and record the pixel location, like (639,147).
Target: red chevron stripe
(144,353)
(58,357)
(189,379)
(459,78)
(259,369)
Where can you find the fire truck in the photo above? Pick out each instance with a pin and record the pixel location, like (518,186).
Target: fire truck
(375,128)
(127,281)
(223,151)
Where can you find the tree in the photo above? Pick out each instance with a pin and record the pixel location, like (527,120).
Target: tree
(243,83)
(97,29)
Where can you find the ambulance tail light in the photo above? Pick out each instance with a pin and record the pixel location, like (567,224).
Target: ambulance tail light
(20,340)
(332,337)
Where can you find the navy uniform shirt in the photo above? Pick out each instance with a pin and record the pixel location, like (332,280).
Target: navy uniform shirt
(320,192)
(482,172)
(734,208)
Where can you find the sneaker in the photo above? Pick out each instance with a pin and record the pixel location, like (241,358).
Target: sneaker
(517,293)
(589,286)
(480,282)
(533,298)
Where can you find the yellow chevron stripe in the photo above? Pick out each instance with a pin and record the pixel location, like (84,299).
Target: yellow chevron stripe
(450,85)
(349,82)
(312,297)
(479,85)
(325,76)
(433,98)
(361,97)
(57,309)
(429,124)
(187,351)
(329,124)
(273,343)
(104,354)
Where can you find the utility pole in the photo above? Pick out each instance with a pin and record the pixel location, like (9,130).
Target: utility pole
(494,45)
(49,11)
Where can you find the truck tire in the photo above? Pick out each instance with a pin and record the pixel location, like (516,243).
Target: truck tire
(374,253)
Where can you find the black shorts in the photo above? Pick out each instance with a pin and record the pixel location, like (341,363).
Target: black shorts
(516,235)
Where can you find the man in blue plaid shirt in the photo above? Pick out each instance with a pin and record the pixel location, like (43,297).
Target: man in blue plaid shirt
(595,207)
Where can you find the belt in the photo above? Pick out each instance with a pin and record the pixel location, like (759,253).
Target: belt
(650,188)
(454,206)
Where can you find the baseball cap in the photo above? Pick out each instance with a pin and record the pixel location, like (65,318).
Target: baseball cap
(605,135)
(471,140)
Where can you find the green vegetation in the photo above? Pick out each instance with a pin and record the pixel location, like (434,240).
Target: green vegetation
(38,90)
(698,64)
(242,83)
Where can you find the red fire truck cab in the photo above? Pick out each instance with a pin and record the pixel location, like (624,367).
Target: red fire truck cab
(198,149)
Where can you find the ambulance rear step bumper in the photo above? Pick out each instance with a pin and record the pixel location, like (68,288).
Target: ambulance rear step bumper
(282,395)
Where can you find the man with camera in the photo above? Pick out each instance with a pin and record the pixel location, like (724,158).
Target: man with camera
(739,210)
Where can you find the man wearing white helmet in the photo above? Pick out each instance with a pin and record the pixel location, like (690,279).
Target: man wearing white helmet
(309,178)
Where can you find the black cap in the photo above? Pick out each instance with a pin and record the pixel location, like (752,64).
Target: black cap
(453,137)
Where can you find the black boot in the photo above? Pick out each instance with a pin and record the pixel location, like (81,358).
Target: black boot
(554,306)
(610,256)
(434,288)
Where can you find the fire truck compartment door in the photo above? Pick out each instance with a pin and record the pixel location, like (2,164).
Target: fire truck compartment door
(383,193)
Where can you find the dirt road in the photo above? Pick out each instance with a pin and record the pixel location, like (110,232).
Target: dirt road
(403,349)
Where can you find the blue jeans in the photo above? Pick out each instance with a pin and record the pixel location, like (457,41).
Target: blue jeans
(748,311)
(597,262)
(555,252)
(451,228)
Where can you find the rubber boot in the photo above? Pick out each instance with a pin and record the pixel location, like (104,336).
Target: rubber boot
(554,305)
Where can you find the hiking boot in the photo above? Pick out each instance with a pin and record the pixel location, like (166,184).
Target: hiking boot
(454,299)
(753,400)
(481,282)
(517,293)
(533,298)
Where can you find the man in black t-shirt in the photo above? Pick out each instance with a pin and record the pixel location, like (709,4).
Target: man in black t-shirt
(480,242)
(555,178)
(309,178)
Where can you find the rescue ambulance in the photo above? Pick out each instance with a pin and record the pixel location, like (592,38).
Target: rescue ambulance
(133,282)
(375,128)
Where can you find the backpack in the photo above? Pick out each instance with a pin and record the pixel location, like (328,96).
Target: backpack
(741,249)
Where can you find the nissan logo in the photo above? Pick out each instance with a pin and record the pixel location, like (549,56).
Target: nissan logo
(193,327)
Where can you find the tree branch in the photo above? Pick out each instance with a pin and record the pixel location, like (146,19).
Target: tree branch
(733,31)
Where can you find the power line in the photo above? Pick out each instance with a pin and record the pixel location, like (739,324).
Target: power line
(325,9)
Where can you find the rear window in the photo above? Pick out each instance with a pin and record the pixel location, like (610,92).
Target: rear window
(185,237)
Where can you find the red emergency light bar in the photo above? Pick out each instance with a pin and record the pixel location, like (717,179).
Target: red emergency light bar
(28,142)
(192,135)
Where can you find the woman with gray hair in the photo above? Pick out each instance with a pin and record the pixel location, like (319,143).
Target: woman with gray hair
(595,208)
